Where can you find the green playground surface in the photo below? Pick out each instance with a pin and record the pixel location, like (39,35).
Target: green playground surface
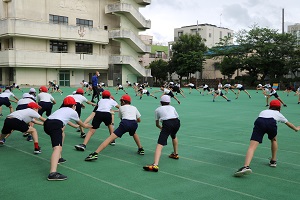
(213,140)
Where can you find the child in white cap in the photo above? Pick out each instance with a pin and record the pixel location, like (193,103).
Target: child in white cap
(167,115)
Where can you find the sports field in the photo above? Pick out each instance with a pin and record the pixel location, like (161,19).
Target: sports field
(213,140)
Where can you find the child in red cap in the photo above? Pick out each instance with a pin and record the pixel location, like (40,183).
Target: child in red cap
(102,114)
(54,127)
(45,100)
(130,117)
(265,123)
(19,121)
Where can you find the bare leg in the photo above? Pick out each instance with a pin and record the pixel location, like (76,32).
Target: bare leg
(55,157)
(274,147)
(137,140)
(89,135)
(252,147)
(175,145)
(106,142)
(157,153)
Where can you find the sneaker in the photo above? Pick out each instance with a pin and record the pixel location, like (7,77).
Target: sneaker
(113,143)
(155,97)
(78,130)
(2,141)
(267,105)
(228,100)
(92,156)
(82,135)
(249,97)
(25,134)
(284,105)
(37,150)
(153,168)
(174,156)
(273,163)
(55,176)
(61,160)
(141,151)
(29,138)
(80,147)
(1,115)
(213,100)
(243,171)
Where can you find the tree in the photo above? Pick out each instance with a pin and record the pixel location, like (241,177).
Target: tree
(159,70)
(187,55)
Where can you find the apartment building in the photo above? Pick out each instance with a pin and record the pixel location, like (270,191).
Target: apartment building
(211,33)
(295,30)
(68,40)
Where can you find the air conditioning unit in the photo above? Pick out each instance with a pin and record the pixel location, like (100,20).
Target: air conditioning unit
(6,1)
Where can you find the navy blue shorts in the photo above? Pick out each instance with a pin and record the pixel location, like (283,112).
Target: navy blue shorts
(264,126)
(206,89)
(46,107)
(126,126)
(275,95)
(53,127)
(78,108)
(101,117)
(169,127)
(14,124)
(4,101)
(21,107)
(170,94)
(241,89)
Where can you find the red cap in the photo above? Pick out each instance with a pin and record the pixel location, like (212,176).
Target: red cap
(43,89)
(79,91)
(106,93)
(126,97)
(69,101)
(33,105)
(275,103)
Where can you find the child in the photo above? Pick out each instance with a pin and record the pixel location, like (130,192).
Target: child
(19,121)
(120,87)
(170,126)
(265,123)
(240,88)
(272,92)
(130,117)
(192,86)
(146,92)
(45,100)
(54,127)
(5,100)
(218,92)
(80,99)
(168,92)
(102,115)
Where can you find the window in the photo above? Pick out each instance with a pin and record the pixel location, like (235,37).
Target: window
(105,28)
(229,34)
(0,74)
(158,54)
(85,48)
(84,22)
(221,35)
(180,33)
(152,55)
(209,35)
(55,19)
(58,46)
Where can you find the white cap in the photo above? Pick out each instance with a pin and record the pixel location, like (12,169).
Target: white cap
(27,95)
(32,90)
(165,98)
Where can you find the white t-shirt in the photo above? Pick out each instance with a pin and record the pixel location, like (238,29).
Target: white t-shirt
(191,85)
(65,114)
(166,91)
(165,113)
(227,85)
(104,105)
(79,98)
(24,101)
(25,115)
(6,94)
(238,85)
(129,112)
(205,86)
(45,97)
(273,114)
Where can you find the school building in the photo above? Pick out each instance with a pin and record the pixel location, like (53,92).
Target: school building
(68,40)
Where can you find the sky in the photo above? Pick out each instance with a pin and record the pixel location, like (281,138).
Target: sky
(165,15)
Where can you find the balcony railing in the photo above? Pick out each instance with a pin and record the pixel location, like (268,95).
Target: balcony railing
(129,60)
(33,29)
(25,58)
(143,2)
(133,40)
(131,13)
